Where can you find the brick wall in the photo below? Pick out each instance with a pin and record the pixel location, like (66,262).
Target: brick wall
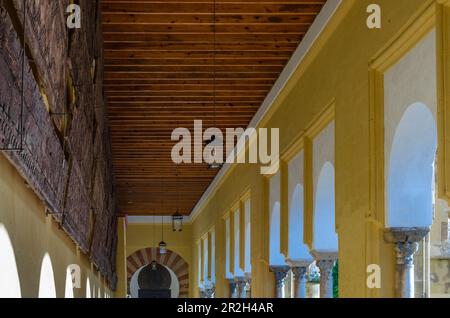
(64,151)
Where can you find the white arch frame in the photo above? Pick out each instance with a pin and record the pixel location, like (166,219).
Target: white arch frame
(325,237)
(9,274)
(174,287)
(298,250)
(47,288)
(410,175)
(276,258)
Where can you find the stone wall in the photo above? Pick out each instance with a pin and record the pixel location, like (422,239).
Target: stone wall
(63,152)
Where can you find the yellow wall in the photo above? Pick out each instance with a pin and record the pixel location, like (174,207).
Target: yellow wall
(141,236)
(121,259)
(32,235)
(335,70)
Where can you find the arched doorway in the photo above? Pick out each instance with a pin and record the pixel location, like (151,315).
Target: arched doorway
(9,276)
(153,281)
(47,287)
(171,262)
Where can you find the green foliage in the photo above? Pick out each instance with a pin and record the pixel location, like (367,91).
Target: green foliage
(336,280)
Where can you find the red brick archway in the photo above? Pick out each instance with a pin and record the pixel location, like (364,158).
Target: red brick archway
(172,260)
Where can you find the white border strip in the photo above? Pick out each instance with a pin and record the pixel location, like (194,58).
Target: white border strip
(300,53)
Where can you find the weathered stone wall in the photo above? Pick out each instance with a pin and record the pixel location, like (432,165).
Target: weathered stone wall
(64,151)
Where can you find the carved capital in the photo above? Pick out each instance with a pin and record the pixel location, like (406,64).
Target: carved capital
(405,252)
(300,273)
(280,273)
(326,267)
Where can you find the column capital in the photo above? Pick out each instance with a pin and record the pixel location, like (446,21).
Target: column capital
(326,267)
(231,281)
(240,281)
(299,272)
(280,274)
(325,260)
(233,287)
(406,242)
(210,292)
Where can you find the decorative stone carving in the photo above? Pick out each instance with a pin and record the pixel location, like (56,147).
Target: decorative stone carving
(325,261)
(233,288)
(280,273)
(300,271)
(240,287)
(248,286)
(210,292)
(406,245)
(300,281)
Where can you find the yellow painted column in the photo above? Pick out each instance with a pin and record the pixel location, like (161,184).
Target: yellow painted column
(121,259)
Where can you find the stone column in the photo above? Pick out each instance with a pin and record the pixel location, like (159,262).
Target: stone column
(233,288)
(280,273)
(240,287)
(211,291)
(300,281)
(325,261)
(406,242)
(300,271)
(248,286)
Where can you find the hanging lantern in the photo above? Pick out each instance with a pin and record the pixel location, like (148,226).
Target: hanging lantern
(162,248)
(214,142)
(177,222)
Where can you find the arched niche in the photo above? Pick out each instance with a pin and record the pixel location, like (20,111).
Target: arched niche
(325,237)
(47,280)
(297,249)
(9,276)
(410,175)
(276,258)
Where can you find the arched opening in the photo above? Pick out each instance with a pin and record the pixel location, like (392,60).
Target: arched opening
(410,183)
(69,284)
(47,279)
(148,282)
(88,288)
(171,261)
(325,237)
(9,276)
(275,255)
(297,249)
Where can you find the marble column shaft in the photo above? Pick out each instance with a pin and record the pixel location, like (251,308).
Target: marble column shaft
(300,281)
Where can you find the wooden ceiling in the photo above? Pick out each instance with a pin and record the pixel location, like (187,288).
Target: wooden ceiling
(161,58)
